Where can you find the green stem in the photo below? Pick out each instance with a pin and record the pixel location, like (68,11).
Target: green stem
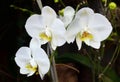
(62,3)
(39,4)
(117,54)
(110,62)
(90,59)
(80,4)
(101,51)
(53,71)
(50,53)
(53,64)
(22,9)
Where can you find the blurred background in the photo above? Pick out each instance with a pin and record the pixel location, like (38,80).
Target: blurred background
(13,35)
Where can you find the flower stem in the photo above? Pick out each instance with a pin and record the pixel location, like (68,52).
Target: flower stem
(21,9)
(62,3)
(53,71)
(53,64)
(110,62)
(39,4)
(50,54)
(78,6)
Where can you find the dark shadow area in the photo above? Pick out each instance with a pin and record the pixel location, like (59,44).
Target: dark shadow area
(13,35)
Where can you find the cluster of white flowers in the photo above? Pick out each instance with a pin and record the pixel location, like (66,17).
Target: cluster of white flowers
(82,26)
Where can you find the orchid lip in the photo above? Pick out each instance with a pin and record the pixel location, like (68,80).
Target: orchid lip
(86,36)
(44,36)
(31,68)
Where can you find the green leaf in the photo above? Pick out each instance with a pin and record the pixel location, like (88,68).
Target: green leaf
(77,58)
(109,76)
(106,79)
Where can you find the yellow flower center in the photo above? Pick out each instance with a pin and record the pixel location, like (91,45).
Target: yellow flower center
(86,36)
(31,68)
(44,36)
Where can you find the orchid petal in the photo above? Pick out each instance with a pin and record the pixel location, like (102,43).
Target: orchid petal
(84,16)
(24,71)
(31,73)
(69,11)
(58,33)
(49,15)
(101,28)
(72,30)
(53,45)
(23,56)
(42,61)
(35,43)
(57,40)
(79,43)
(58,27)
(68,15)
(94,44)
(34,25)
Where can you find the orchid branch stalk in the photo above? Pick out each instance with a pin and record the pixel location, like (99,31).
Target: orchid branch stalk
(50,53)
(21,9)
(110,62)
(62,3)
(53,71)
(39,4)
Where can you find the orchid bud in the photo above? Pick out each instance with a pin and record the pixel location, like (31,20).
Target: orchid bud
(112,5)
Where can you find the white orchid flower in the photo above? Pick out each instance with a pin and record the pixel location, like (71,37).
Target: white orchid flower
(32,59)
(88,27)
(68,15)
(47,27)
